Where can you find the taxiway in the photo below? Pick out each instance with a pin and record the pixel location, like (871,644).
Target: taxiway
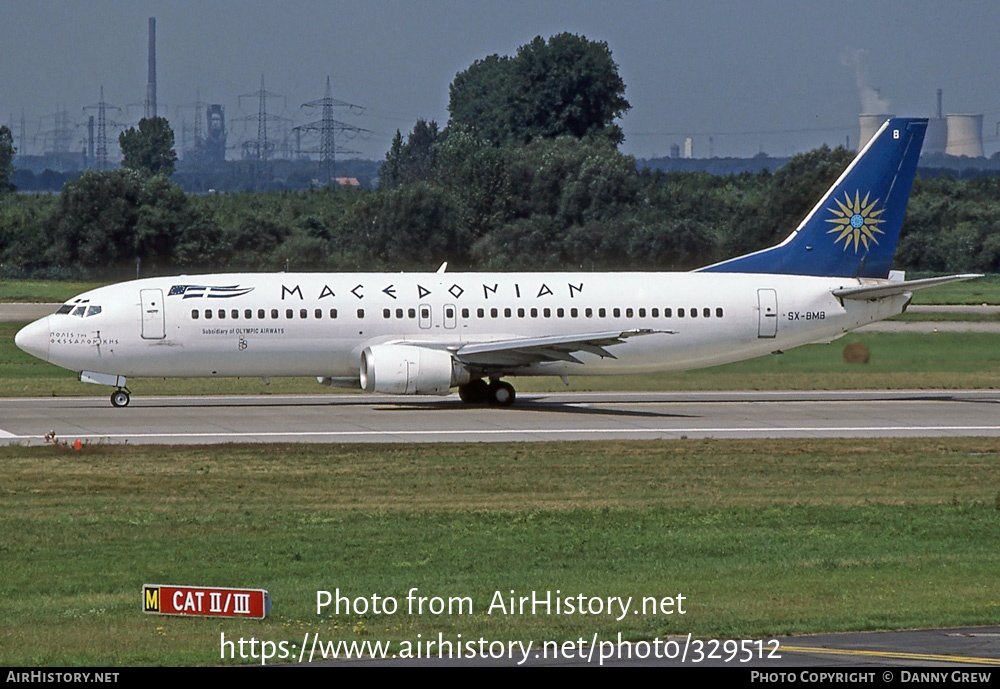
(535,417)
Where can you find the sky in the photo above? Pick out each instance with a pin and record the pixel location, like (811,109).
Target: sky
(779,76)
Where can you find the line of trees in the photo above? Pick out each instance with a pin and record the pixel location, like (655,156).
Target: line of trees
(526,175)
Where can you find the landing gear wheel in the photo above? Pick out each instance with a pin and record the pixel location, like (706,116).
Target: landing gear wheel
(501,394)
(475,392)
(120,398)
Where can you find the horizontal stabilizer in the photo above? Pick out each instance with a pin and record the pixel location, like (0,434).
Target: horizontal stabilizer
(891,289)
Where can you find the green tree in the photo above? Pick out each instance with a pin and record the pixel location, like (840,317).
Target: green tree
(7,152)
(150,148)
(564,86)
(109,219)
(412,161)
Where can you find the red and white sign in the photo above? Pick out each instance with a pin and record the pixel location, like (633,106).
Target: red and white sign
(163,599)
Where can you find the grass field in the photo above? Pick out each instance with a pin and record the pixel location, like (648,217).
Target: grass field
(761,537)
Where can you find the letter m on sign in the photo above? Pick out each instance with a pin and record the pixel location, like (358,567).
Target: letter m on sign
(151,598)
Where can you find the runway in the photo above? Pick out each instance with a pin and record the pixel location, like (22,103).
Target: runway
(360,418)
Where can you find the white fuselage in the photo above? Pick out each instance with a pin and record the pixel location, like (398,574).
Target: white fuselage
(314,324)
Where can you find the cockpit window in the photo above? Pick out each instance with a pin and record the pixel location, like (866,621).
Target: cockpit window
(79,310)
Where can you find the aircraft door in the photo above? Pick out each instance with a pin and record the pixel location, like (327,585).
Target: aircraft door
(450,316)
(153,327)
(767,326)
(424,316)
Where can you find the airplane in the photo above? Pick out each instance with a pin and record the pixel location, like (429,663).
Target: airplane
(428,333)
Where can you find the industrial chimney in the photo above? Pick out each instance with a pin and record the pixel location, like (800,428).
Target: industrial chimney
(151,72)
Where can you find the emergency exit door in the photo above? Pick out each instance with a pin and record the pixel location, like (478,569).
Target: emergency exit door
(767,300)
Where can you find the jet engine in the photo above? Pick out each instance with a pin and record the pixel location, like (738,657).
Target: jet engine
(409,370)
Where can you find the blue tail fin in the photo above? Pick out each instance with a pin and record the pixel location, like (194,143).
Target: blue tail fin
(853,230)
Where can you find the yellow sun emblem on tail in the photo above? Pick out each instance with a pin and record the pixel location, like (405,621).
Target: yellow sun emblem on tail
(857,221)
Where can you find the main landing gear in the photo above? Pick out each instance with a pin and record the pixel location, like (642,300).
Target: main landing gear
(120,397)
(496,393)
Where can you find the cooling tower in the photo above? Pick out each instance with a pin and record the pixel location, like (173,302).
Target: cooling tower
(965,136)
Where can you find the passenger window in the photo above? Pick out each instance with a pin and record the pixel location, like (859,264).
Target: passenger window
(386,313)
(289,314)
(449,312)
(399,313)
(425,312)
(465,313)
(667,313)
(480,313)
(534,313)
(274,313)
(655,313)
(333,313)
(260,314)
(718,313)
(318,313)
(412,313)
(573,313)
(642,313)
(235,313)
(680,313)
(194,314)
(547,313)
(602,313)
(222,314)
(361,313)
(561,313)
(507,313)
(303,313)
(628,313)
(248,314)
(493,313)
(694,313)
(617,313)
(706,312)
(589,313)
(208,314)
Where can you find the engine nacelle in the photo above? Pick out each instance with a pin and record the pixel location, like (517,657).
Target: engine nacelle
(409,370)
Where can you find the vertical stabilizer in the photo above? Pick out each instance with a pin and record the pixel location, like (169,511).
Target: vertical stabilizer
(854,229)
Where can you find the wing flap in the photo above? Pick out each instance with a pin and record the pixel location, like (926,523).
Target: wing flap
(530,350)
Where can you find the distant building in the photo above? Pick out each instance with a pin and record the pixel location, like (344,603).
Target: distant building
(215,142)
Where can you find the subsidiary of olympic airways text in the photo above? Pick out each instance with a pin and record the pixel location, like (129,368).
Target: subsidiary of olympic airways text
(501,603)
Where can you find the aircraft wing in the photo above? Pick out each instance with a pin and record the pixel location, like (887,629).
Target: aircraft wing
(531,350)
(891,289)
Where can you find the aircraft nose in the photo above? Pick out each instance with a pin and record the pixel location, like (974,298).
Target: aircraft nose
(34,338)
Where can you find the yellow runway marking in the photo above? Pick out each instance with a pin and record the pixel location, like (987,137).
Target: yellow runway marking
(892,654)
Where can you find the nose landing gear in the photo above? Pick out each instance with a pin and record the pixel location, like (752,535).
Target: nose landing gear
(120,397)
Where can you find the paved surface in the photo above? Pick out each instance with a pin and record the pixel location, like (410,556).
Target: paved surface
(535,417)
